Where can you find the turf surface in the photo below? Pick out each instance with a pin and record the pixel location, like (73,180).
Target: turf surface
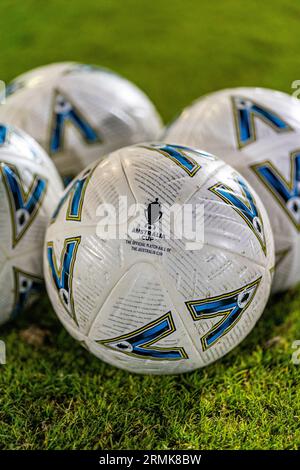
(53,394)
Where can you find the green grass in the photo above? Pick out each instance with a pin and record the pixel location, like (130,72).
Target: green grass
(57,395)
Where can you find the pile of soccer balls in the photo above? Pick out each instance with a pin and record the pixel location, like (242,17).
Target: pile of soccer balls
(124,281)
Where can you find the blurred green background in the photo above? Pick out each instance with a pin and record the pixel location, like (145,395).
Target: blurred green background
(175,50)
(53,394)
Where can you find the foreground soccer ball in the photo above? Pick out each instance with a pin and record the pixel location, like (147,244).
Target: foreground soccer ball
(30,188)
(136,291)
(257,131)
(78,113)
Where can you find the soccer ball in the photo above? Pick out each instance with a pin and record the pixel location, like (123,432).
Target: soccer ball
(257,131)
(30,188)
(132,288)
(79,112)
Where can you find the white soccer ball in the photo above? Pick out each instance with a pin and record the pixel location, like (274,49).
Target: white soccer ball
(136,291)
(257,131)
(79,112)
(30,189)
